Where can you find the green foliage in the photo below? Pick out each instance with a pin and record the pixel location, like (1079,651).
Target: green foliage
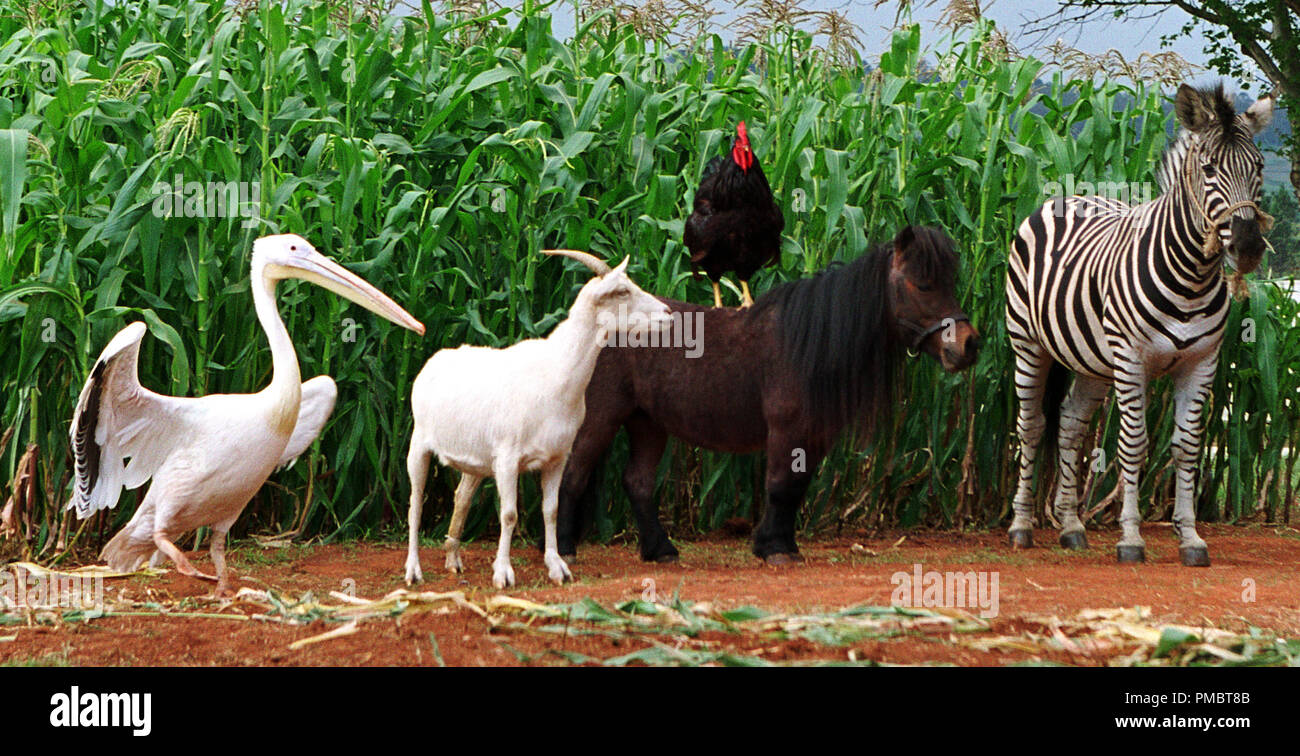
(437,154)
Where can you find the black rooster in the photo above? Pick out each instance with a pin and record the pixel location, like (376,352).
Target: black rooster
(736,225)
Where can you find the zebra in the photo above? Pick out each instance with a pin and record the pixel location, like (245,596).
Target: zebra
(1119,293)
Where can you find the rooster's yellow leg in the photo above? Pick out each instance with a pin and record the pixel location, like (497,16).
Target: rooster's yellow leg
(748,300)
(717,295)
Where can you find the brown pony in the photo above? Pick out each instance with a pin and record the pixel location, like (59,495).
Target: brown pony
(810,359)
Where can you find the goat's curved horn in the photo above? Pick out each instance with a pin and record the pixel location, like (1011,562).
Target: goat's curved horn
(597,265)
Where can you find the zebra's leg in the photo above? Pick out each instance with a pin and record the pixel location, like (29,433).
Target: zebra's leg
(1130,395)
(1191,391)
(1085,394)
(1032,365)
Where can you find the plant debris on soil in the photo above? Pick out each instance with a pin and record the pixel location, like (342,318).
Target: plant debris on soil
(346,605)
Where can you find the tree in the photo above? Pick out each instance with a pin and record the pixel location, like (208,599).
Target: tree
(1261,31)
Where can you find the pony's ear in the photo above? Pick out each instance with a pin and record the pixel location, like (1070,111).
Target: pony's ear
(905,238)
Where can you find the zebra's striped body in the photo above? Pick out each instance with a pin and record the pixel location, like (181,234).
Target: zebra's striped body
(1123,294)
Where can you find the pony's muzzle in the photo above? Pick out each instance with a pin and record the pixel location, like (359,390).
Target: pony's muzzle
(961,351)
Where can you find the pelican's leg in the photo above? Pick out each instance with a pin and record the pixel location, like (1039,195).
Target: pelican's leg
(717,295)
(747,299)
(183,565)
(218,551)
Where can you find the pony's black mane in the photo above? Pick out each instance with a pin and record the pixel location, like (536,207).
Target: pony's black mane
(837,331)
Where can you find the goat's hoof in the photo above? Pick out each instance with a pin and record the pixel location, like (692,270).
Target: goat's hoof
(503,578)
(783,560)
(413,576)
(1075,540)
(1021,539)
(1130,554)
(667,559)
(1195,556)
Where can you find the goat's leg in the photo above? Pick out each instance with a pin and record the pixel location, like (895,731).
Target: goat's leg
(218,551)
(503,575)
(555,566)
(464,497)
(717,294)
(646,442)
(417,468)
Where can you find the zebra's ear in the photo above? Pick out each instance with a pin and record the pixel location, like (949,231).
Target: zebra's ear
(1259,115)
(1194,109)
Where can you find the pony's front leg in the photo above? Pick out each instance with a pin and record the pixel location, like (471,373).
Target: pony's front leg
(555,566)
(789,472)
(1130,393)
(646,443)
(1191,391)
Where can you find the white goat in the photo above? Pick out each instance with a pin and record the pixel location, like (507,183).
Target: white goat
(501,412)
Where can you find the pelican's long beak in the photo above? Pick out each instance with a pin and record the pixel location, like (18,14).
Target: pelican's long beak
(322,271)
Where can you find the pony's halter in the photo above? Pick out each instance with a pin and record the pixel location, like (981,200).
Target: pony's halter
(922,334)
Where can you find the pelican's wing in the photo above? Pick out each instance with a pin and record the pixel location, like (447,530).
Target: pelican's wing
(318,397)
(117,420)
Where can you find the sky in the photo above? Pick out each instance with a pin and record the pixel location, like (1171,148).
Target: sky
(1130,37)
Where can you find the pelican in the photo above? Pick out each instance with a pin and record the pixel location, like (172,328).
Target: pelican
(207,456)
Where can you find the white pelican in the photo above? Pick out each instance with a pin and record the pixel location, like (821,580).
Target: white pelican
(209,455)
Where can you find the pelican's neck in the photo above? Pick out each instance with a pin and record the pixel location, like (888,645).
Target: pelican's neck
(286,381)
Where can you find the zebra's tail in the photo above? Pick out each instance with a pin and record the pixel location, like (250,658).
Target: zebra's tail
(1058,383)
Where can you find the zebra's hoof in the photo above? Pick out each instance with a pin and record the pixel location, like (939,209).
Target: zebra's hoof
(1022,539)
(1130,554)
(1074,540)
(1195,556)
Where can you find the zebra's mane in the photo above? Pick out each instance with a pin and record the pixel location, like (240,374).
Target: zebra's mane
(1174,161)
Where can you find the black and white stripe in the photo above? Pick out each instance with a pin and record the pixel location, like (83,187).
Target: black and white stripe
(1122,294)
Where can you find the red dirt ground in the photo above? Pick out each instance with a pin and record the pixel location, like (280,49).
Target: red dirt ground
(838,573)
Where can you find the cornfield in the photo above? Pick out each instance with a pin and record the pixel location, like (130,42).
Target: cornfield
(436,153)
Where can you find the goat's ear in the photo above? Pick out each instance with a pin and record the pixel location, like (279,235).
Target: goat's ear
(1259,115)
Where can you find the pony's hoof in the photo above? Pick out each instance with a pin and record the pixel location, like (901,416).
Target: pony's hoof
(783,560)
(1195,556)
(1022,539)
(1130,554)
(1074,540)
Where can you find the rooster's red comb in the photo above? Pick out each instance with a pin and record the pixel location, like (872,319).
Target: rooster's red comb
(741,153)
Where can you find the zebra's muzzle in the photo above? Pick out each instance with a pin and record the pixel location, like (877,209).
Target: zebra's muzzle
(1245,248)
